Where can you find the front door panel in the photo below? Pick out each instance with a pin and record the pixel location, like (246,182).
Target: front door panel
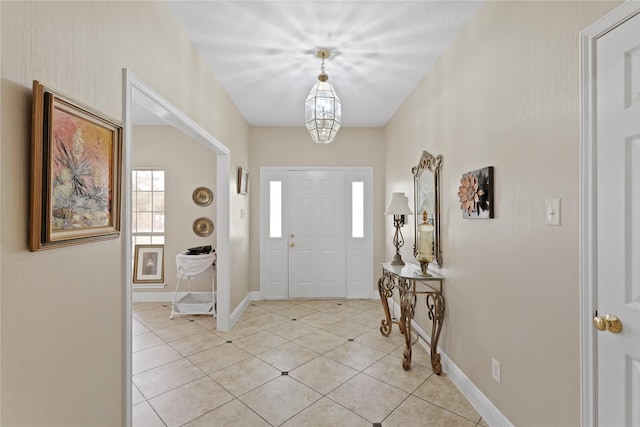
(317,266)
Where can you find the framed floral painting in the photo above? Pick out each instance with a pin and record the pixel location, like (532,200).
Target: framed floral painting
(476,193)
(75,172)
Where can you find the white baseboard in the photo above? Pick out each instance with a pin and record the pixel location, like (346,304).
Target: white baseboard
(155,296)
(490,414)
(160,296)
(251,296)
(487,410)
(168,297)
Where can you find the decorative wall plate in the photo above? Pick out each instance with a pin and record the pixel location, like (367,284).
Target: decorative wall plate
(202,196)
(203,227)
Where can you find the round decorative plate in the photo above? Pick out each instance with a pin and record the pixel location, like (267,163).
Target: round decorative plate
(202,196)
(203,227)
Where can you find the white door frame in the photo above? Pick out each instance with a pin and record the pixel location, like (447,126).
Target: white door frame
(136,90)
(588,289)
(362,288)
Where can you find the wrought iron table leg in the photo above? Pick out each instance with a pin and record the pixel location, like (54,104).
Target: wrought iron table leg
(405,327)
(407,305)
(436,305)
(385,293)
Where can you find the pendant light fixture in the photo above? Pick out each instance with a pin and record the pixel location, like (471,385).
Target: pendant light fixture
(323,110)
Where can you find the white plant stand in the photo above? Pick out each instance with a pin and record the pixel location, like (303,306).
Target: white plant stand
(191,267)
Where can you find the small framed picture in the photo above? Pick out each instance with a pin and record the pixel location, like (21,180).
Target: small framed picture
(243,181)
(148,264)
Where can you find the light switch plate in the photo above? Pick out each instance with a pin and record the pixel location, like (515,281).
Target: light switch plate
(495,370)
(552,212)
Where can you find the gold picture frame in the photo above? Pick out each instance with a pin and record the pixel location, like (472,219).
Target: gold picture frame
(243,181)
(76,166)
(148,264)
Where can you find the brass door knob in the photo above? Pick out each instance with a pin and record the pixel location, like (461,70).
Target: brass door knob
(291,244)
(609,322)
(598,322)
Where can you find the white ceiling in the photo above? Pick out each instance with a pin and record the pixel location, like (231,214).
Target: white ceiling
(263,52)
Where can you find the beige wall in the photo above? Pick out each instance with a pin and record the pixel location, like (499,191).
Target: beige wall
(506,95)
(239,232)
(62,310)
(164,147)
(1,221)
(294,147)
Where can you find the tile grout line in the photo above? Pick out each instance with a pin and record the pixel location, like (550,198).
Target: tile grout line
(274,311)
(408,394)
(326,395)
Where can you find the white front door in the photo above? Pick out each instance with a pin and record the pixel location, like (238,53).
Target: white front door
(317,239)
(618,223)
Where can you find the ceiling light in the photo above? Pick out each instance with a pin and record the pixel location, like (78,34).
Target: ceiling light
(322,109)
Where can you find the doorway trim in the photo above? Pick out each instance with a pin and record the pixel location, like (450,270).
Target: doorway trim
(137,91)
(588,286)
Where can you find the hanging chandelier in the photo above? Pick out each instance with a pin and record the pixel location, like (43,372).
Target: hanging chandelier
(322,109)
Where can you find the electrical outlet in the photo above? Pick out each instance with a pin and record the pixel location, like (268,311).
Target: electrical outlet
(495,370)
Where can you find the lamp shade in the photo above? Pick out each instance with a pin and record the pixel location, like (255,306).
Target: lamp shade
(399,205)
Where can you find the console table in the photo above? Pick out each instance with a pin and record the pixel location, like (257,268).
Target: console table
(405,278)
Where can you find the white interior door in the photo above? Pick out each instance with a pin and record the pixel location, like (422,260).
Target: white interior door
(618,223)
(317,266)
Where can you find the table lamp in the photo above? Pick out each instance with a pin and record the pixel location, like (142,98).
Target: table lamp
(399,207)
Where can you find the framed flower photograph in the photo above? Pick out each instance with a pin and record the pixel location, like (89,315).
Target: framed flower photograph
(76,167)
(148,264)
(476,194)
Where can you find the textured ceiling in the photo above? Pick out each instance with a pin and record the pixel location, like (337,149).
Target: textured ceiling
(263,52)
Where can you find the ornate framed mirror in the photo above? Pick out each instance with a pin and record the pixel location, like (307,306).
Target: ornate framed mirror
(426,195)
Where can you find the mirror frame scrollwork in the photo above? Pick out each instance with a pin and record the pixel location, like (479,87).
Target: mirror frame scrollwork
(432,164)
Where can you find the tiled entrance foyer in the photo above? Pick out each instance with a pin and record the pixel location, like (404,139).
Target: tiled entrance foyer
(308,363)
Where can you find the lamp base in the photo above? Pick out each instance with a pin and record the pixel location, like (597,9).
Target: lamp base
(397,260)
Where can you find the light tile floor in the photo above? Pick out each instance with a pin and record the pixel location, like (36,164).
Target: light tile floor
(285,363)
